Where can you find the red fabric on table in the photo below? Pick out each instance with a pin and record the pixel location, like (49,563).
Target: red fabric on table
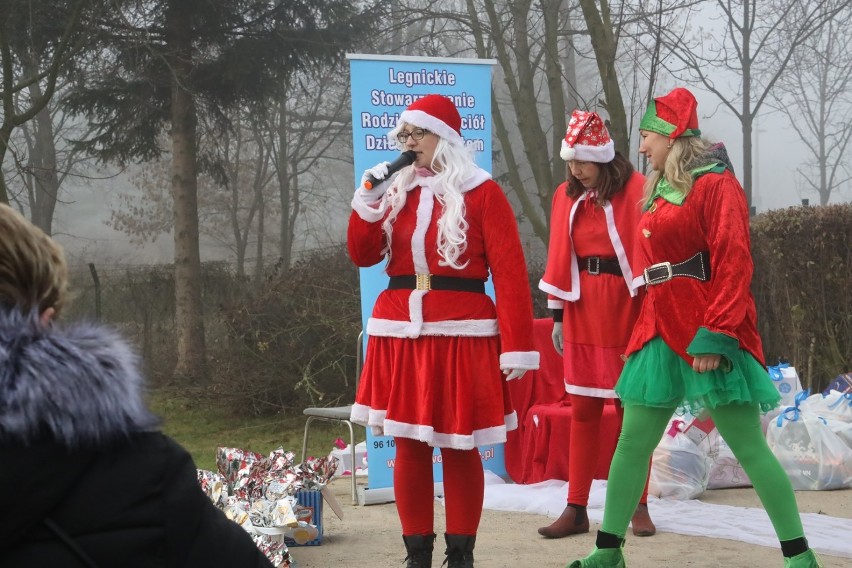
(538,452)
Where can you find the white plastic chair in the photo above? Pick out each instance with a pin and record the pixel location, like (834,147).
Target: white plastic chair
(338,414)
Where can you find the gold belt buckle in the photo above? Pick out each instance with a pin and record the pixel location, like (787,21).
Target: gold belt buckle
(424,282)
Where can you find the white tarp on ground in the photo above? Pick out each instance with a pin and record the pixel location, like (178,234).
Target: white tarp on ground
(691,517)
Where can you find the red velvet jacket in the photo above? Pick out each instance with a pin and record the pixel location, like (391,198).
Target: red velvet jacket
(719,312)
(561,278)
(493,245)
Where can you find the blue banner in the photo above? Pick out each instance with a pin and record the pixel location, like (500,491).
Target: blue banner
(382,87)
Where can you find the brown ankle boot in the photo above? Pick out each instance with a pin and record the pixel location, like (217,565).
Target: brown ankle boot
(642,523)
(573,520)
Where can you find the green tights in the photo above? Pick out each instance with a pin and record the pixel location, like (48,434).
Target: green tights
(739,425)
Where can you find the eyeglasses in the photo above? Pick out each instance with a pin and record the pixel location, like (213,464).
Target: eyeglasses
(417,134)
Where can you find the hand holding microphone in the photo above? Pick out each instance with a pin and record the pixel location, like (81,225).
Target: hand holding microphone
(381,172)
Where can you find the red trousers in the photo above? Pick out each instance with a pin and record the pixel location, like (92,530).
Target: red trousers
(413,483)
(586,413)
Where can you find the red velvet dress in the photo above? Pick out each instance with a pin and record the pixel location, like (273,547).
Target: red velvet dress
(432,371)
(599,310)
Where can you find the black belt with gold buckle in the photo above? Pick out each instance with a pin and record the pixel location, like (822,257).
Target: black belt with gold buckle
(435,282)
(697,266)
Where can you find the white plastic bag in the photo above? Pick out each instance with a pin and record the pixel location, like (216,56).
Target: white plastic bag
(812,454)
(680,468)
(835,405)
(725,469)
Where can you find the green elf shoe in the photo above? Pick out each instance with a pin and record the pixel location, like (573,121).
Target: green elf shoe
(807,559)
(609,558)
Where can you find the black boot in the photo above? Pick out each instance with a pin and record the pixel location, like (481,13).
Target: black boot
(419,548)
(459,550)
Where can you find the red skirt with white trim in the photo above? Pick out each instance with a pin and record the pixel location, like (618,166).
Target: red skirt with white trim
(446,391)
(596,330)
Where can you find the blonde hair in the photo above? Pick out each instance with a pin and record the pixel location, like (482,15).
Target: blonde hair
(33,273)
(453,165)
(684,155)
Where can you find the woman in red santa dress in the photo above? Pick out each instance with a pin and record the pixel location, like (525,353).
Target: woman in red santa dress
(589,279)
(439,348)
(695,344)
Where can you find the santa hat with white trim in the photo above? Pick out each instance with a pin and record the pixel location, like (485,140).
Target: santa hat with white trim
(587,139)
(435,113)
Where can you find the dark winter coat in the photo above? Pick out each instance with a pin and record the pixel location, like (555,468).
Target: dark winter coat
(87,478)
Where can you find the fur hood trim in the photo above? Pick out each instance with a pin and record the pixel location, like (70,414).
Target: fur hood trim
(80,385)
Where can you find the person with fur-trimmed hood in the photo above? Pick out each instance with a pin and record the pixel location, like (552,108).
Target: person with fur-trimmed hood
(695,345)
(439,346)
(88,479)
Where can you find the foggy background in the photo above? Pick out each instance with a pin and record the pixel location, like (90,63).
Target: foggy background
(81,220)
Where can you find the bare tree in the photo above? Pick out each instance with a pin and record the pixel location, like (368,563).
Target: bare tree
(743,53)
(232,194)
(36,44)
(306,131)
(178,59)
(816,95)
(553,56)
(40,160)
(239,161)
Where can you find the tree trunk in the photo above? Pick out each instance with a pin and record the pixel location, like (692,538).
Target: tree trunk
(189,322)
(558,108)
(45,186)
(284,185)
(523,96)
(605,47)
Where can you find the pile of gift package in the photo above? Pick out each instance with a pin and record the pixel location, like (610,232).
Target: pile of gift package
(810,434)
(278,501)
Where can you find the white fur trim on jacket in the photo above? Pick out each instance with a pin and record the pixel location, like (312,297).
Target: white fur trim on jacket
(573,294)
(477,177)
(451,328)
(368,211)
(626,271)
(519,360)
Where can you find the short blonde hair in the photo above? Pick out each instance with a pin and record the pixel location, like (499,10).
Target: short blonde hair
(33,273)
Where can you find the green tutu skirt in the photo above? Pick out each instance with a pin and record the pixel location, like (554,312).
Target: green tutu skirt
(656,376)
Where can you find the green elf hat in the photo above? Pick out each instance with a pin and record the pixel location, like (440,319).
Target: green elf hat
(673,115)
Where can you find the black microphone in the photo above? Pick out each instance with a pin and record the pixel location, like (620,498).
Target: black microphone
(404,159)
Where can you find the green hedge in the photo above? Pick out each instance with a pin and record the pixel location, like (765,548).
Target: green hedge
(289,341)
(803,272)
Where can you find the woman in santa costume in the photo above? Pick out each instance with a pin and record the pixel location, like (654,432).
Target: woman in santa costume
(439,348)
(695,344)
(589,281)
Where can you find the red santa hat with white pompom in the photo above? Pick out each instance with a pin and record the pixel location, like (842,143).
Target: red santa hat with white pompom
(587,139)
(435,113)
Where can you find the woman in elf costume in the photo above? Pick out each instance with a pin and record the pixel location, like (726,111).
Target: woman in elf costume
(695,344)
(589,279)
(438,345)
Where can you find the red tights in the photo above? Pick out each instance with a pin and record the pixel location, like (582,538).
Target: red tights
(464,488)
(586,413)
